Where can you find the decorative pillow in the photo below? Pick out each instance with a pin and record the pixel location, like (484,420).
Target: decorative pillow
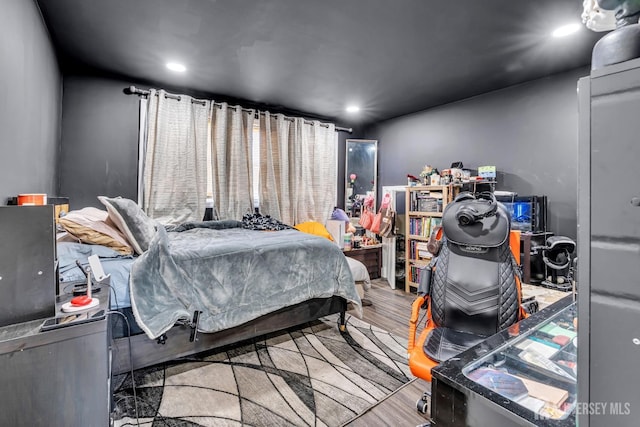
(131,221)
(90,225)
(313,227)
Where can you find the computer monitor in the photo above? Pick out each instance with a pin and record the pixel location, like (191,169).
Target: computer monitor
(528,213)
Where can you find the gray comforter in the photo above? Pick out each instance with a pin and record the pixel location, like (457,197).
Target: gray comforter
(232,275)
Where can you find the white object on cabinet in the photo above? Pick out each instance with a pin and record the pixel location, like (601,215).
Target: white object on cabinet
(397,193)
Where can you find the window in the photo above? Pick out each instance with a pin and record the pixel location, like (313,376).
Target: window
(255,150)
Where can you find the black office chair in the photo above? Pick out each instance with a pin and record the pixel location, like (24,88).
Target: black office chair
(472,288)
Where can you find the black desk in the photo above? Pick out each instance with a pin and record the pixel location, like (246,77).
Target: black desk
(458,401)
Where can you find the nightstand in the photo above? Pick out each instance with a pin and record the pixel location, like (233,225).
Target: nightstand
(370,256)
(60,377)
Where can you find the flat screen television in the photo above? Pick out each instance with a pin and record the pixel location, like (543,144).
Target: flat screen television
(528,213)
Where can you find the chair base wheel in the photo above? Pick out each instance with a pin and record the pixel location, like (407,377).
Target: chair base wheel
(530,305)
(423,404)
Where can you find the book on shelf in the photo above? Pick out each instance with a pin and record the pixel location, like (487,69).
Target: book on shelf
(420,226)
(423,251)
(418,251)
(429,204)
(414,273)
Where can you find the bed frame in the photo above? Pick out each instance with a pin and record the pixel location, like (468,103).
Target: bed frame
(139,351)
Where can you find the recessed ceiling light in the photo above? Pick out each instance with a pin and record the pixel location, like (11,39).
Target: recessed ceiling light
(353,109)
(565,30)
(174,66)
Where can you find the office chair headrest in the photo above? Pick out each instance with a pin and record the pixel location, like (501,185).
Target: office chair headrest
(476,220)
(470,213)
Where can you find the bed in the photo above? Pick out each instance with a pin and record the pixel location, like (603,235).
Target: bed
(203,285)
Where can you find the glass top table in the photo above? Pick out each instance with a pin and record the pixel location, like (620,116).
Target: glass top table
(525,375)
(537,370)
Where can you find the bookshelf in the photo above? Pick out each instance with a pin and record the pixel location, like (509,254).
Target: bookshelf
(424,207)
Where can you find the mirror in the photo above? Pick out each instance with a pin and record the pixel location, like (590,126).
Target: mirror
(361,173)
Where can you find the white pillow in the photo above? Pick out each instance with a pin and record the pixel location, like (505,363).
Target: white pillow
(131,221)
(90,225)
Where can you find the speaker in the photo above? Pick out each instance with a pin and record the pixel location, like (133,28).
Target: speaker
(27,263)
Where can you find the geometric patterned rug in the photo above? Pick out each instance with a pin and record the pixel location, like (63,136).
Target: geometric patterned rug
(312,375)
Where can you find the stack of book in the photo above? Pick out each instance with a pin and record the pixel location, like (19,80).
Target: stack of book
(426,201)
(419,251)
(423,226)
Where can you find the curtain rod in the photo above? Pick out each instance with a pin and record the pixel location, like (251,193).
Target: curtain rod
(132,90)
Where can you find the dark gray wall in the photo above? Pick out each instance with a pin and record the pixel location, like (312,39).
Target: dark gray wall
(30,102)
(528,131)
(99,155)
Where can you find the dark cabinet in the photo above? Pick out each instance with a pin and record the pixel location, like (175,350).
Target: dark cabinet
(609,245)
(60,377)
(27,263)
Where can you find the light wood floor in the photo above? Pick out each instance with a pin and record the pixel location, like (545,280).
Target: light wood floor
(390,310)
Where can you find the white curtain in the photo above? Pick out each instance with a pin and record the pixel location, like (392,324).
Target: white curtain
(231,160)
(276,138)
(175,164)
(298,170)
(142,146)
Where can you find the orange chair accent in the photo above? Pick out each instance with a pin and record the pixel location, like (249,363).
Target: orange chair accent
(419,364)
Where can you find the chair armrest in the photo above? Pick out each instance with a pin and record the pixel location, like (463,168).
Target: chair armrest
(413,321)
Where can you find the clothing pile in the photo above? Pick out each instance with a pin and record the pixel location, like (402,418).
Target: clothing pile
(257,221)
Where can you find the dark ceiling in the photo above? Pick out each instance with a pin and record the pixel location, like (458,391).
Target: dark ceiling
(391,57)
